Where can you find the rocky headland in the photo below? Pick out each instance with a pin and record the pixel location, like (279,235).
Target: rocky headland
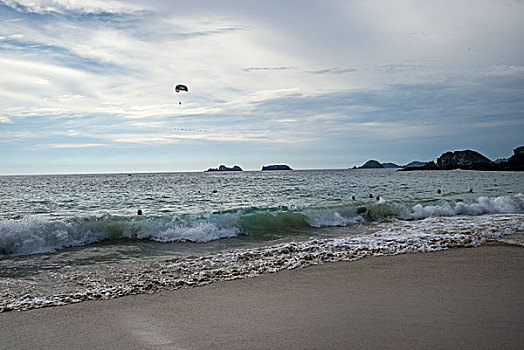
(472,160)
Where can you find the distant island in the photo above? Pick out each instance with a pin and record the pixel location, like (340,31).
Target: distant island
(276,167)
(375,164)
(224,168)
(237,168)
(466,160)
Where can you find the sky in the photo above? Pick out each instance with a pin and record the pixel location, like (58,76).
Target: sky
(87,86)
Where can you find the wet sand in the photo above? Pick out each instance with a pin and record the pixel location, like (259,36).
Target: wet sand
(458,299)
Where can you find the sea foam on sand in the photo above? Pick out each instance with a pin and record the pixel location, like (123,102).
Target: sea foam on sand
(387,238)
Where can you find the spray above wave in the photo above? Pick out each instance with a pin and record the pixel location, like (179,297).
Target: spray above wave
(483,205)
(37,234)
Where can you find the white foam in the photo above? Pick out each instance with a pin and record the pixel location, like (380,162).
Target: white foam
(387,238)
(483,205)
(34,234)
(202,231)
(39,234)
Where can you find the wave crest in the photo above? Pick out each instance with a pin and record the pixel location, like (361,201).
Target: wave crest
(483,205)
(39,234)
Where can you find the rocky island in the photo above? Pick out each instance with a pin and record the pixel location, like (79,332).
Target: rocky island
(276,167)
(224,168)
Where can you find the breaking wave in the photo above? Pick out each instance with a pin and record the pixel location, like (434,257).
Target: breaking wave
(41,234)
(76,284)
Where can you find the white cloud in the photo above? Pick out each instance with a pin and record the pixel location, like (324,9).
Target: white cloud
(4,119)
(257,73)
(61,6)
(74,145)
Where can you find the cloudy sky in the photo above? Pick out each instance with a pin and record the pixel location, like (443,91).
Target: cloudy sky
(87,86)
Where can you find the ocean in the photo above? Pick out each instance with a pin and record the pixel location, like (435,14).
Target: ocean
(69,238)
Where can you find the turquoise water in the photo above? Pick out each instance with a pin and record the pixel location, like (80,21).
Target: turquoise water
(42,214)
(72,227)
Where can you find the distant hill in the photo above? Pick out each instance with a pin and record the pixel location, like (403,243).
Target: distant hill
(371,164)
(375,164)
(414,163)
(466,159)
(391,165)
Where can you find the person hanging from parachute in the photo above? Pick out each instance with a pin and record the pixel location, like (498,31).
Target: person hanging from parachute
(179,88)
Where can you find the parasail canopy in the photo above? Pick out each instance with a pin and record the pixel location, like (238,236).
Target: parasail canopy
(181,87)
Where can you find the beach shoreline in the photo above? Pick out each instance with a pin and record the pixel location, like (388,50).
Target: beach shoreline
(467,298)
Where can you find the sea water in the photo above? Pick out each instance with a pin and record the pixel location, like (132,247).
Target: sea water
(68,238)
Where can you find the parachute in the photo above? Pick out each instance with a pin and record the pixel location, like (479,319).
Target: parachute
(181,87)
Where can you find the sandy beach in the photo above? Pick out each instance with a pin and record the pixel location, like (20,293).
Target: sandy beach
(456,299)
